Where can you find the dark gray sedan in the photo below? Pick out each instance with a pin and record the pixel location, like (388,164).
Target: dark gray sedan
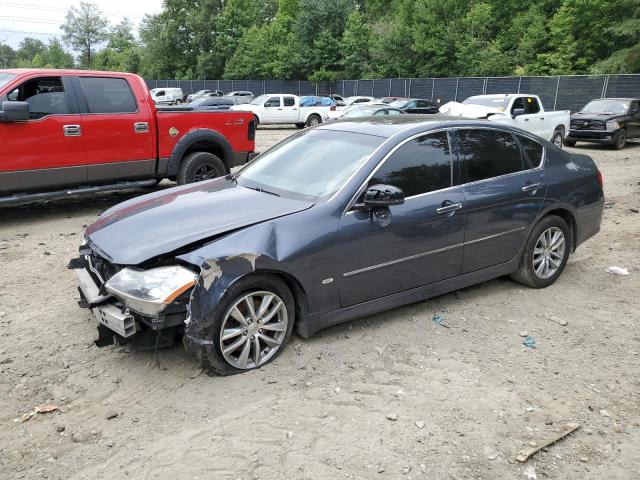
(335,223)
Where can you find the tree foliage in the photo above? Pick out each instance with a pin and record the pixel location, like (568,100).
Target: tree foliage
(334,39)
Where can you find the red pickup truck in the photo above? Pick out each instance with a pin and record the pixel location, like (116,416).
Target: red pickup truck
(66,132)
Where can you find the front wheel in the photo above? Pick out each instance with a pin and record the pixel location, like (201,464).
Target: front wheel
(199,166)
(251,325)
(620,140)
(545,254)
(557,138)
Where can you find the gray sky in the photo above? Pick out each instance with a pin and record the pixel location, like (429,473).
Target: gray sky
(41,18)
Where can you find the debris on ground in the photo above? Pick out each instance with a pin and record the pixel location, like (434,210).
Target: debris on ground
(558,320)
(609,204)
(618,271)
(530,473)
(524,455)
(392,416)
(524,333)
(438,320)
(529,342)
(44,408)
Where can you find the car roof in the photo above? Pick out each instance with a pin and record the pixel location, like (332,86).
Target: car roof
(622,99)
(388,126)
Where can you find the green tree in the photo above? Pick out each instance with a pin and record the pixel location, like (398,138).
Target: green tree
(56,56)
(355,47)
(7,56)
(85,27)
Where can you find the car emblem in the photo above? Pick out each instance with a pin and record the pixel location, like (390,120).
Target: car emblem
(173,131)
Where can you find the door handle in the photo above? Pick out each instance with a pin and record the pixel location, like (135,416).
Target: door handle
(541,118)
(294,108)
(532,187)
(141,127)
(279,109)
(452,207)
(526,119)
(72,130)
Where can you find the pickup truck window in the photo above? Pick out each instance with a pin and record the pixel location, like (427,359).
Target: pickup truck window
(528,104)
(108,95)
(488,153)
(419,166)
(45,96)
(289,101)
(272,102)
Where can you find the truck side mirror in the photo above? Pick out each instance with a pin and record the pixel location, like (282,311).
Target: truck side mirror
(14,111)
(517,111)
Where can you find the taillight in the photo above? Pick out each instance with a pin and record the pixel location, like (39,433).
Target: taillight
(600,180)
(333,108)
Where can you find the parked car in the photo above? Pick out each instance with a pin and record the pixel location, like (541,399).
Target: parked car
(371,110)
(281,108)
(212,103)
(520,110)
(340,112)
(204,93)
(338,99)
(392,99)
(415,105)
(167,96)
(335,223)
(358,99)
(606,120)
(68,132)
(240,97)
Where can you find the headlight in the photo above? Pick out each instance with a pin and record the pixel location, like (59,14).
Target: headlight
(150,291)
(612,125)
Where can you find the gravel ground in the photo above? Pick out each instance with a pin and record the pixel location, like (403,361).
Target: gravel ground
(389,396)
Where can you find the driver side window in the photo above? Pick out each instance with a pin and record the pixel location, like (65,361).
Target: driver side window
(272,102)
(45,96)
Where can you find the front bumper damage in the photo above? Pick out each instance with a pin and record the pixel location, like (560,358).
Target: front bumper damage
(117,322)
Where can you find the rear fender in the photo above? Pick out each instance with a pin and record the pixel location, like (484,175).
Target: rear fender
(196,136)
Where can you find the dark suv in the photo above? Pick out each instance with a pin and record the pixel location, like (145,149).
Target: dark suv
(606,120)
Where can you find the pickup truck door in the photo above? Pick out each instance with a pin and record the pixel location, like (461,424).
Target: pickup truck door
(634,120)
(528,116)
(47,151)
(272,110)
(290,109)
(117,130)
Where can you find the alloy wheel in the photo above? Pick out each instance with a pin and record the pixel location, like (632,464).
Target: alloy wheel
(253,329)
(204,172)
(557,140)
(313,121)
(548,253)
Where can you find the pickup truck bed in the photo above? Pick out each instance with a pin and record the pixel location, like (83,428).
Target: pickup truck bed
(68,132)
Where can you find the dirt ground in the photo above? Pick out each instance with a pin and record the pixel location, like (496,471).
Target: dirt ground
(390,396)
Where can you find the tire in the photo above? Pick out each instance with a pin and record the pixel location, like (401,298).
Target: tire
(557,137)
(212,356)
(313,120)
(178,102)
(526,273)
(198,166)
(620,140)
(300,125)
(256,120)
(569,143)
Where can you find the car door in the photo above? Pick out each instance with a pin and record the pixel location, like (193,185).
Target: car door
(290,112)
(526,111)
(47,151)
(389,250)
(411,107)
(272,110)
(503,192)
(119,140)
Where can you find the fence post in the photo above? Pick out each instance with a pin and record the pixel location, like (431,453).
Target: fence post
(455,98)
(484,85)
(605,86)
(433,87)
(405,88)
(555,101)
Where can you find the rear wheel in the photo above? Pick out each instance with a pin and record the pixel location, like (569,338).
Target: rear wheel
(545,253)
(178,102)
(251,325)
(256,120)
(199,166)
(557,138)
(313,120)
(620,140)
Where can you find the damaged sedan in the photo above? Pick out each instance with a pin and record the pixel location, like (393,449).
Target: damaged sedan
(336,222)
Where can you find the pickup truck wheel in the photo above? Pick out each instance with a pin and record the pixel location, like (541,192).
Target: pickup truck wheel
(620,140)
(557,138)
(198,166)
(178,102)
(570,143)
(545,254)
(313,120)
(250,327)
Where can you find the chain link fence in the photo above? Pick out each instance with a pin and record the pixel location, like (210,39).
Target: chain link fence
(558,93)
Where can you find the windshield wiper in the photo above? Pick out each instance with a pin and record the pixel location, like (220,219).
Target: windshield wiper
(258,189)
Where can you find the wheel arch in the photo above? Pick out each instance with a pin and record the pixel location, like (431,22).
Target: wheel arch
(568,217)
(200,140)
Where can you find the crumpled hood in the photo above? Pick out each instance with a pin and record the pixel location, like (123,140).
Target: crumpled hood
(456,109)
(151,225)
(597,116)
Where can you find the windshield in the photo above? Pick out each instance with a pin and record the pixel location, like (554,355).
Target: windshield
(5,78)
(259,100)
(315,163)
(607,106)
(500,102)
(359,112)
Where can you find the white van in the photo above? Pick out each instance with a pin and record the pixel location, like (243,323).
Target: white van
(167,96)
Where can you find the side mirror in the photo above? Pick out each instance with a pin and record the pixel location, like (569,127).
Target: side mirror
(517,111)
(14,112)
(383,196)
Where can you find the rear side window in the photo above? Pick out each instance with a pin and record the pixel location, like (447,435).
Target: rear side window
(45,96)
(532,152)
(488,153)
(108,95)
(419,166)
(289,101)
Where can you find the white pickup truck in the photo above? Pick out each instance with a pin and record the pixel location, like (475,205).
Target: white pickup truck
(283,108)
(519,110)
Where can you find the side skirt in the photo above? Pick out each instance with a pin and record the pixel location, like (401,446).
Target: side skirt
(314,323)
